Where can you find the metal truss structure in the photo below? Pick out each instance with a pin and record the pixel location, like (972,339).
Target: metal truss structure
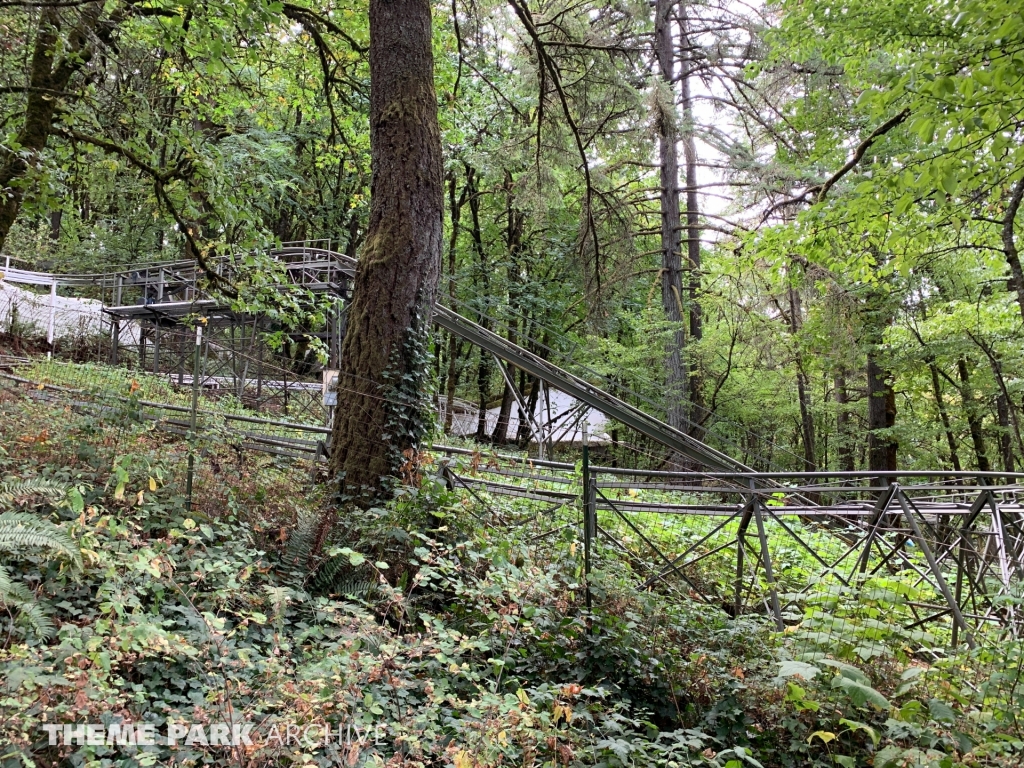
(151,309)
(947,547)
(150,305)
(955,540)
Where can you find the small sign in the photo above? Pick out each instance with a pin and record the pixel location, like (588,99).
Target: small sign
(330,387)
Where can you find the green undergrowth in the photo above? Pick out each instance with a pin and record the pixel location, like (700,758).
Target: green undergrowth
(440,630)
(109,381)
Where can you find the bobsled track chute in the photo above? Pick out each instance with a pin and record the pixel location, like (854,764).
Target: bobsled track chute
(170,291)
(953,540)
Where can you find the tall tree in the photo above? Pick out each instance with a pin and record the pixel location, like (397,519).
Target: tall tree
(384,356)
(671,271)
(48,76)
(689,51)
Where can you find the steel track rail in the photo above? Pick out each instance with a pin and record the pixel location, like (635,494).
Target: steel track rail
(675,440)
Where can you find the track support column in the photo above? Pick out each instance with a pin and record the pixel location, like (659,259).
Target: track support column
(195,409)
(766,561)
(589,516)
(958,617)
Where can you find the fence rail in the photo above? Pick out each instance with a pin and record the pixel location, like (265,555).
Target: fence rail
(955,539)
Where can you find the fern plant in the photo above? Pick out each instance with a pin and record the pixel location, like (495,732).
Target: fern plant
(296,556)
(17,493)
(24,533)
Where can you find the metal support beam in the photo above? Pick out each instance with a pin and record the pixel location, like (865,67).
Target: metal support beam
(589,508)
(53,312)
(741,532)
(583,391)
(192,417)
(943,586)
(115,339)
(881,506)
(766,561)
(524,413)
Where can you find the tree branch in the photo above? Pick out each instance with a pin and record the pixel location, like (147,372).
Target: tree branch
(1010,242)
(36,89)
(304,16)
(160,178)
(544,60)
(821,190)
(176,172)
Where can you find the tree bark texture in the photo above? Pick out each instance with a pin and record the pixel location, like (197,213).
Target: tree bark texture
(696,317)
(483,371)
(671,272)
(973,416)
(1005,445)
(881,415)
(877,315)
(455,209)
(844,434)
(1010,242)
(377,418)
(515,222)
(802,383)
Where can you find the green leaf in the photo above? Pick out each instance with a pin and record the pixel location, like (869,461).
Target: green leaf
(855,725)
(861,694)
(911,672)
(925,131)
(941,712)
(943,86)
(950,182)
(903,204)
(75,500)
(889,756)
(797,669)
(847,670)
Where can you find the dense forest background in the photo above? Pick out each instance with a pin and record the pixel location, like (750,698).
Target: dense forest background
(791,227)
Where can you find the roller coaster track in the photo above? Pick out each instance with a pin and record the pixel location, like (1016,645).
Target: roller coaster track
(324,270)
(982,558)
(585,392)
(560,379)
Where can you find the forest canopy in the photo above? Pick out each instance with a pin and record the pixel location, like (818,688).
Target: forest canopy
(313,272)
(793,227)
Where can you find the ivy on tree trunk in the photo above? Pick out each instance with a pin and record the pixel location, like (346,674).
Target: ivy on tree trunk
(382,403)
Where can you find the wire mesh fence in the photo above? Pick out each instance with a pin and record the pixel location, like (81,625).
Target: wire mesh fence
(850,568)
(953,552)
(943,551)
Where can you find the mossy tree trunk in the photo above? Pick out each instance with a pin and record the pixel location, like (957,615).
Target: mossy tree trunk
(671,267)
(381,387)
(47,79)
